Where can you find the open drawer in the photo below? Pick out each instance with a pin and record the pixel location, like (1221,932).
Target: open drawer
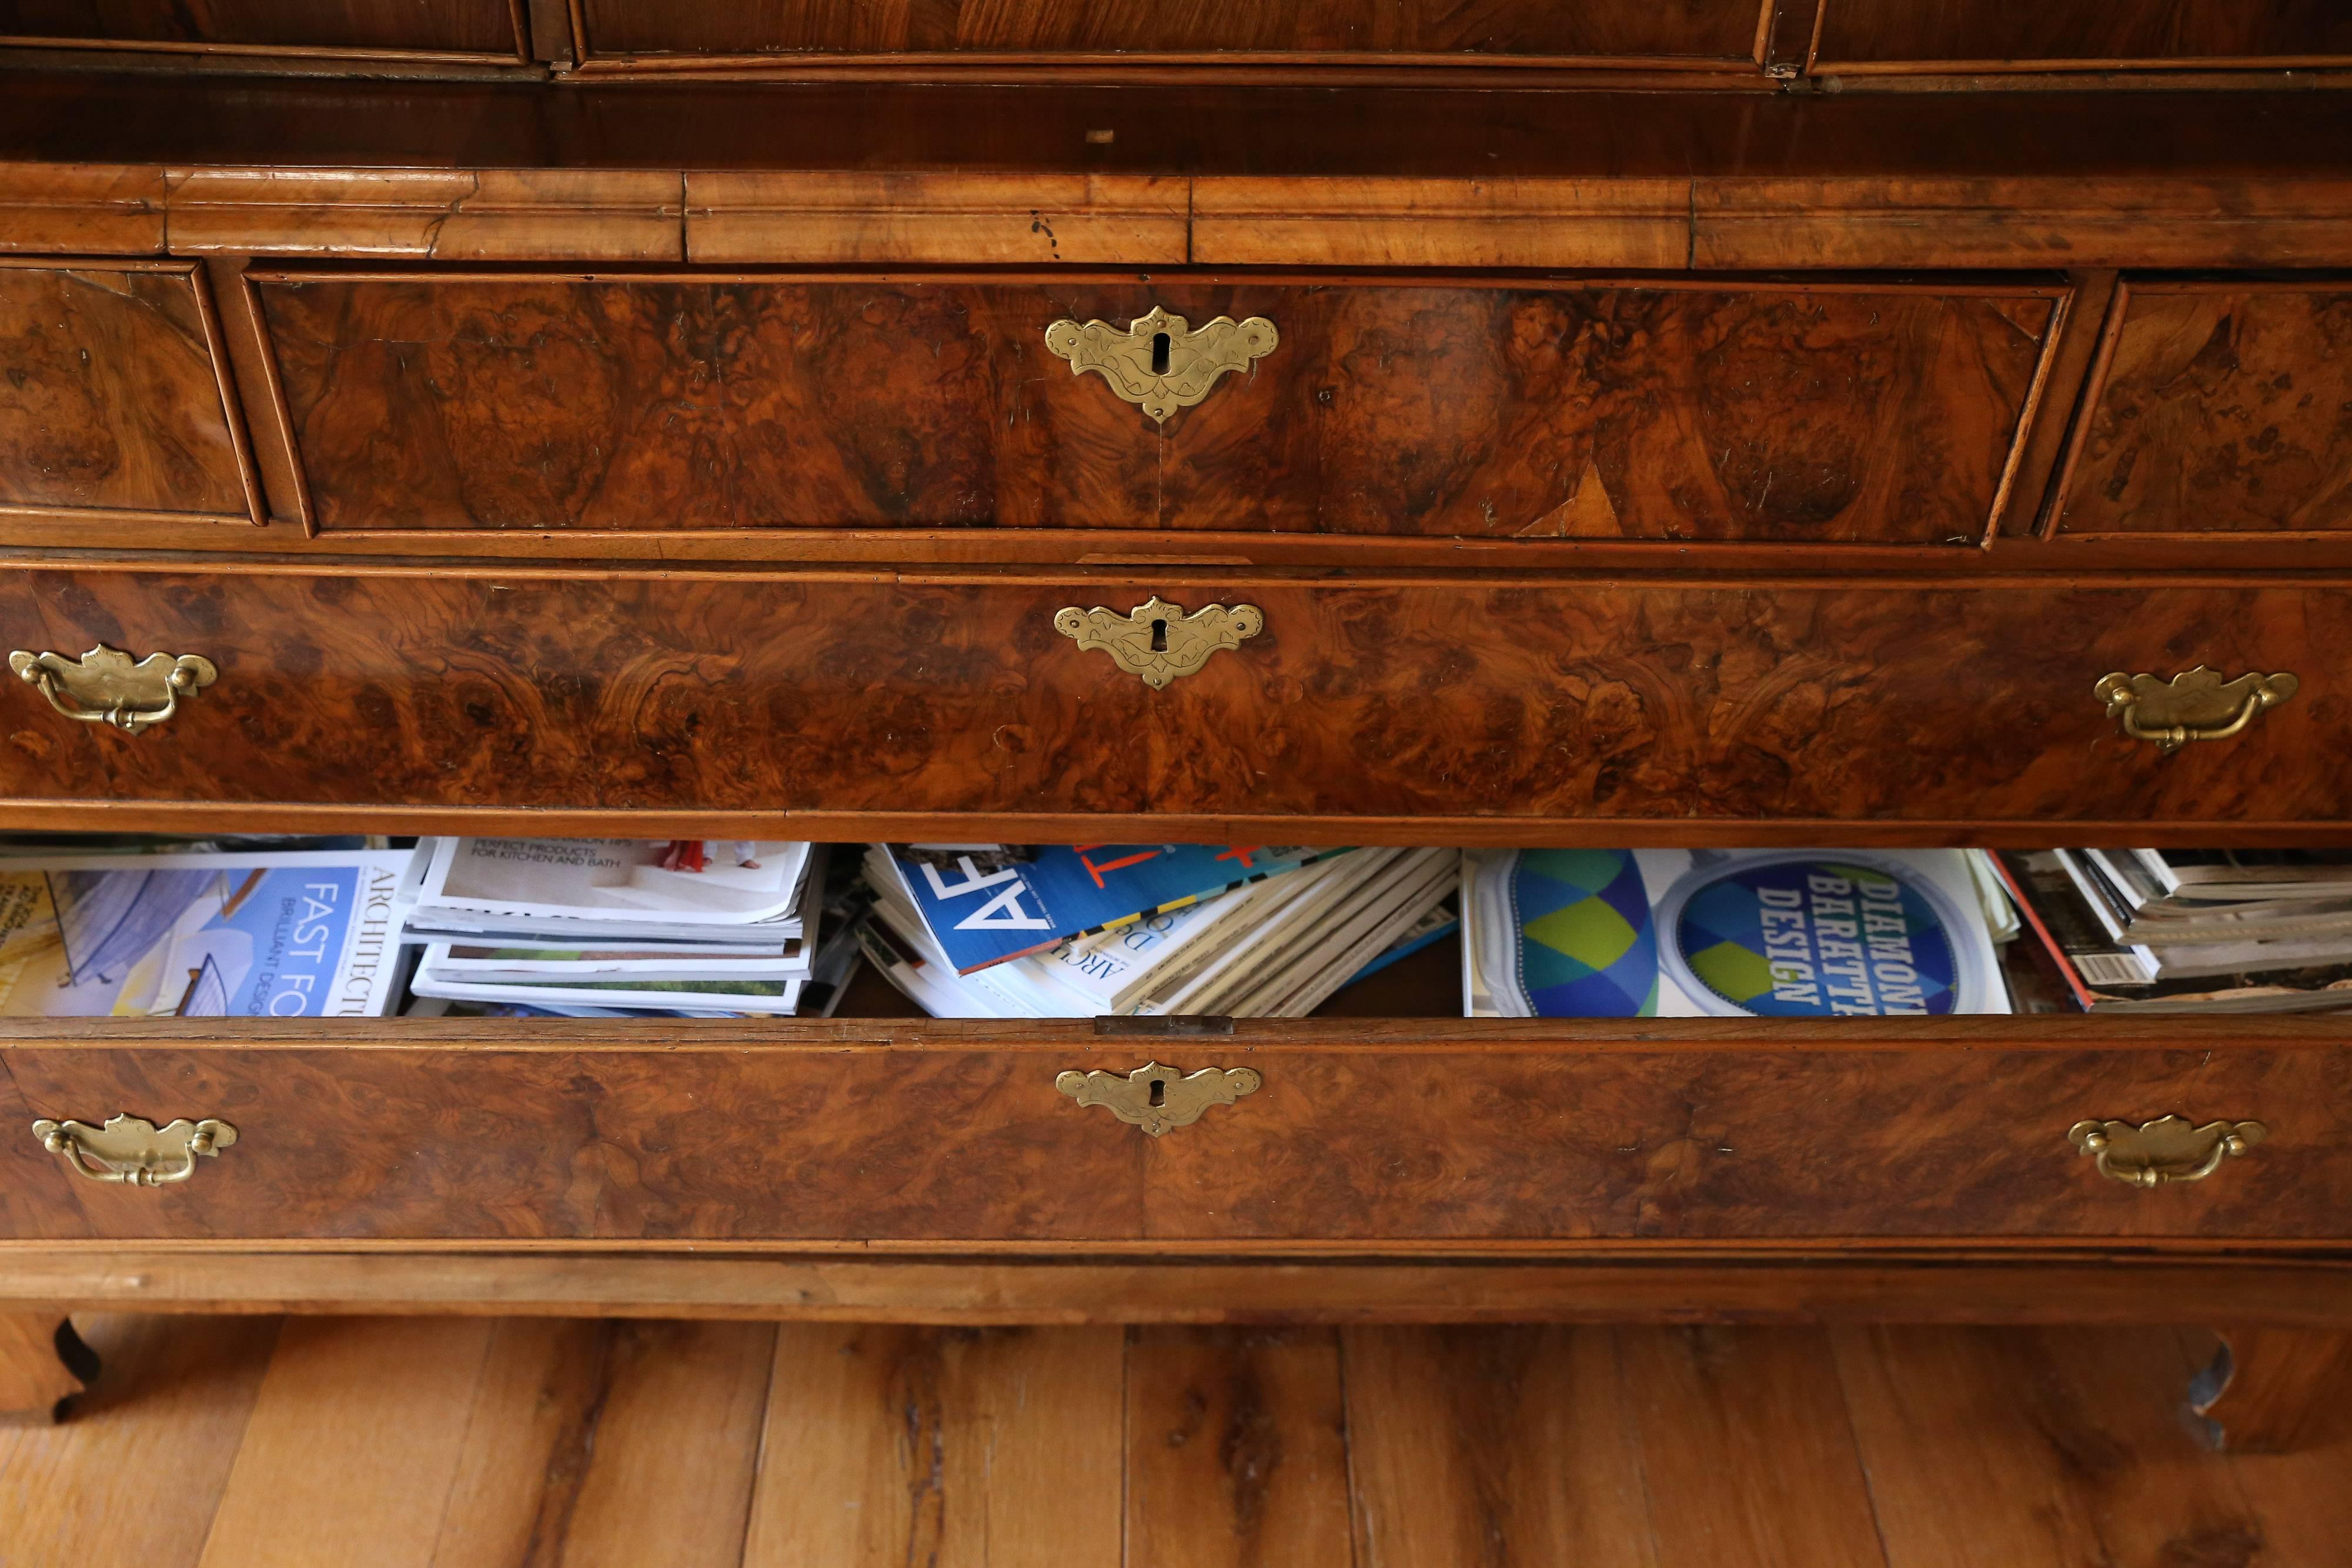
(1331,1134)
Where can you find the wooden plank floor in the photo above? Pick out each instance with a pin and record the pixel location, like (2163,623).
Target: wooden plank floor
(449,1443)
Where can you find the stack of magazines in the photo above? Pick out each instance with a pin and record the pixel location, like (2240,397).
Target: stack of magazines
(1613,933)
(1088,930)
(2233,930)
(595,927)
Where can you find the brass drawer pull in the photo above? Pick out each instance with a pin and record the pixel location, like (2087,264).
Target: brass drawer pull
(2168,1149)
(133,1150)
(1161,363)
(103,686)
(1156,640)
(1160,1099)
(2195,705)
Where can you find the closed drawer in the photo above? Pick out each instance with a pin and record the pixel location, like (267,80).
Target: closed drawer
(1631,30)
(1827,413)
(430,27)
(1355,1134)
(1378,711)
(1984,34)
(2218,408)
(115,401)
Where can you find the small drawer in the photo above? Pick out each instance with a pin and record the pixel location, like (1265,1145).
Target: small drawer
(843,705)
(1699,410)
(1330,1134)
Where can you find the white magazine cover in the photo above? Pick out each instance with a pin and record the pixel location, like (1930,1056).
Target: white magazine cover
(285,934)
(616,886)
(1725,932)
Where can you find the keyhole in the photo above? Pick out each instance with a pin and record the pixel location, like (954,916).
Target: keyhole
(1158,645)
(1160,353)
(1159,1091)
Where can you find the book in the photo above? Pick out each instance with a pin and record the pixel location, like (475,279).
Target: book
(245,935)
(1737,932)
(684,996)
(984,912)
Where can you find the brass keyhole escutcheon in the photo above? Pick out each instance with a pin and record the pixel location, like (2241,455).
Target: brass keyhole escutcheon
(1156,639)
(1158,1098)
(1161,363)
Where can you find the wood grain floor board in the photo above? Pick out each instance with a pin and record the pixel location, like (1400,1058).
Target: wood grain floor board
(136,1475)
(1499,1447)
(951,1448)
(1236,1449)
(2057,1446)
(452,1443)
(1747,1450)
(354,1445)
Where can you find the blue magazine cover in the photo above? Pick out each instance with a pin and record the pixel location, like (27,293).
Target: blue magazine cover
(984,917)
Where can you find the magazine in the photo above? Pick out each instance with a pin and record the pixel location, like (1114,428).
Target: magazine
(1737,932)
(983,913)
(583,890)
(265,935)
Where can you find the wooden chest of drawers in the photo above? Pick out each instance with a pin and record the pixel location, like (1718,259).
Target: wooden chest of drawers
(1615,435)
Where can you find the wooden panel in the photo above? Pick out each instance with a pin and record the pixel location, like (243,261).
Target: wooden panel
(975,1145)
(411,27)
(2218,408)
(558,214)
(1857,35)
(1786,413)
(115,399)
(822,216)
(1704,29)
(1567,702)
(1753,1145)
(108,209)
(352,1143)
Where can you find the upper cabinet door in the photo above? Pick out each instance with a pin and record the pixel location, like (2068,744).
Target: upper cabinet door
(2218,408)
(1632,31)
(1807,413)
(428,28)
(2077,35)
(114,396)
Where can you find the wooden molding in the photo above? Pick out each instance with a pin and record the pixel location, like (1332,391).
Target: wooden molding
(93,208)
(978,218)
(1383,222)
(2014,223)
(1915,1288)
(439,215)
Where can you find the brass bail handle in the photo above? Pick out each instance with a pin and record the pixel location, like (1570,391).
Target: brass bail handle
(104,686)
(134,1151)
(1161,363)
(2195,705)
(2168,1149)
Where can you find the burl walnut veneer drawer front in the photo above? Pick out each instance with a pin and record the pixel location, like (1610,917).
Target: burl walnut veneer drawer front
(759,692)
(981,1145)
(1830,412)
